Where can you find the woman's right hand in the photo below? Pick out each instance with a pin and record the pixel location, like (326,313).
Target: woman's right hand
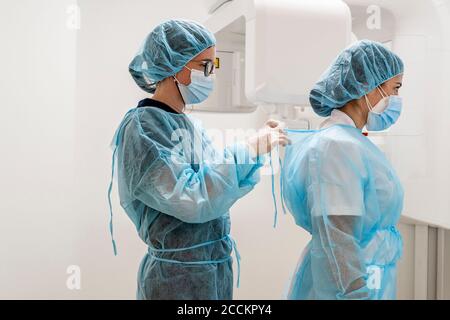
(268,137)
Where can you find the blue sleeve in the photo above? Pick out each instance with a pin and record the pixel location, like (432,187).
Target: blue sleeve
(336,199)
(247,165)
(168,182)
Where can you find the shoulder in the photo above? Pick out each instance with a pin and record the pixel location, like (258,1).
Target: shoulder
(339,139)
(146,114)
(153,125)
(145,124)
(339,146)
(153,119)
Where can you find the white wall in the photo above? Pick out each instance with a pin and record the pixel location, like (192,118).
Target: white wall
(39,225)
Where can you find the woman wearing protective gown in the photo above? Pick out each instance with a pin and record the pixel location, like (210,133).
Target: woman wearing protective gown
(341,188)
(174,185)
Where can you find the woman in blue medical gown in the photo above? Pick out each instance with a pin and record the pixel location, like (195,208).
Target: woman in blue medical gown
(341,188)
(173,184)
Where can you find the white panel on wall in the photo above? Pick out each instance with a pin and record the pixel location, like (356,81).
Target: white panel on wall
(37,85)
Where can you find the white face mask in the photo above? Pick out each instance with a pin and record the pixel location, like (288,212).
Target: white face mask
(199,89)
(385,113)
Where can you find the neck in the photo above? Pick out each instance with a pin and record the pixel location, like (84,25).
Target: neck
(356,112)
(168,93)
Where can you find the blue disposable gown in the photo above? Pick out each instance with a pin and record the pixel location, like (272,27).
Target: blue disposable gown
(177,189)
(341,188)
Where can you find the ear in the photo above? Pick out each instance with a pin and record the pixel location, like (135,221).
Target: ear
(184,76)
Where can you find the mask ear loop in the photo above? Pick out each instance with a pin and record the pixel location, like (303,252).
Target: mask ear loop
(177,81)
(383,93)
(179,91)
(369,106)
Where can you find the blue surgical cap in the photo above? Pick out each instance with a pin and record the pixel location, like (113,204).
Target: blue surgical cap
(167,49)
(358,70)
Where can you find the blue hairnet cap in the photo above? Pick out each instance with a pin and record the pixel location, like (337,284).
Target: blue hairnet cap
(167,49)
(358,70)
